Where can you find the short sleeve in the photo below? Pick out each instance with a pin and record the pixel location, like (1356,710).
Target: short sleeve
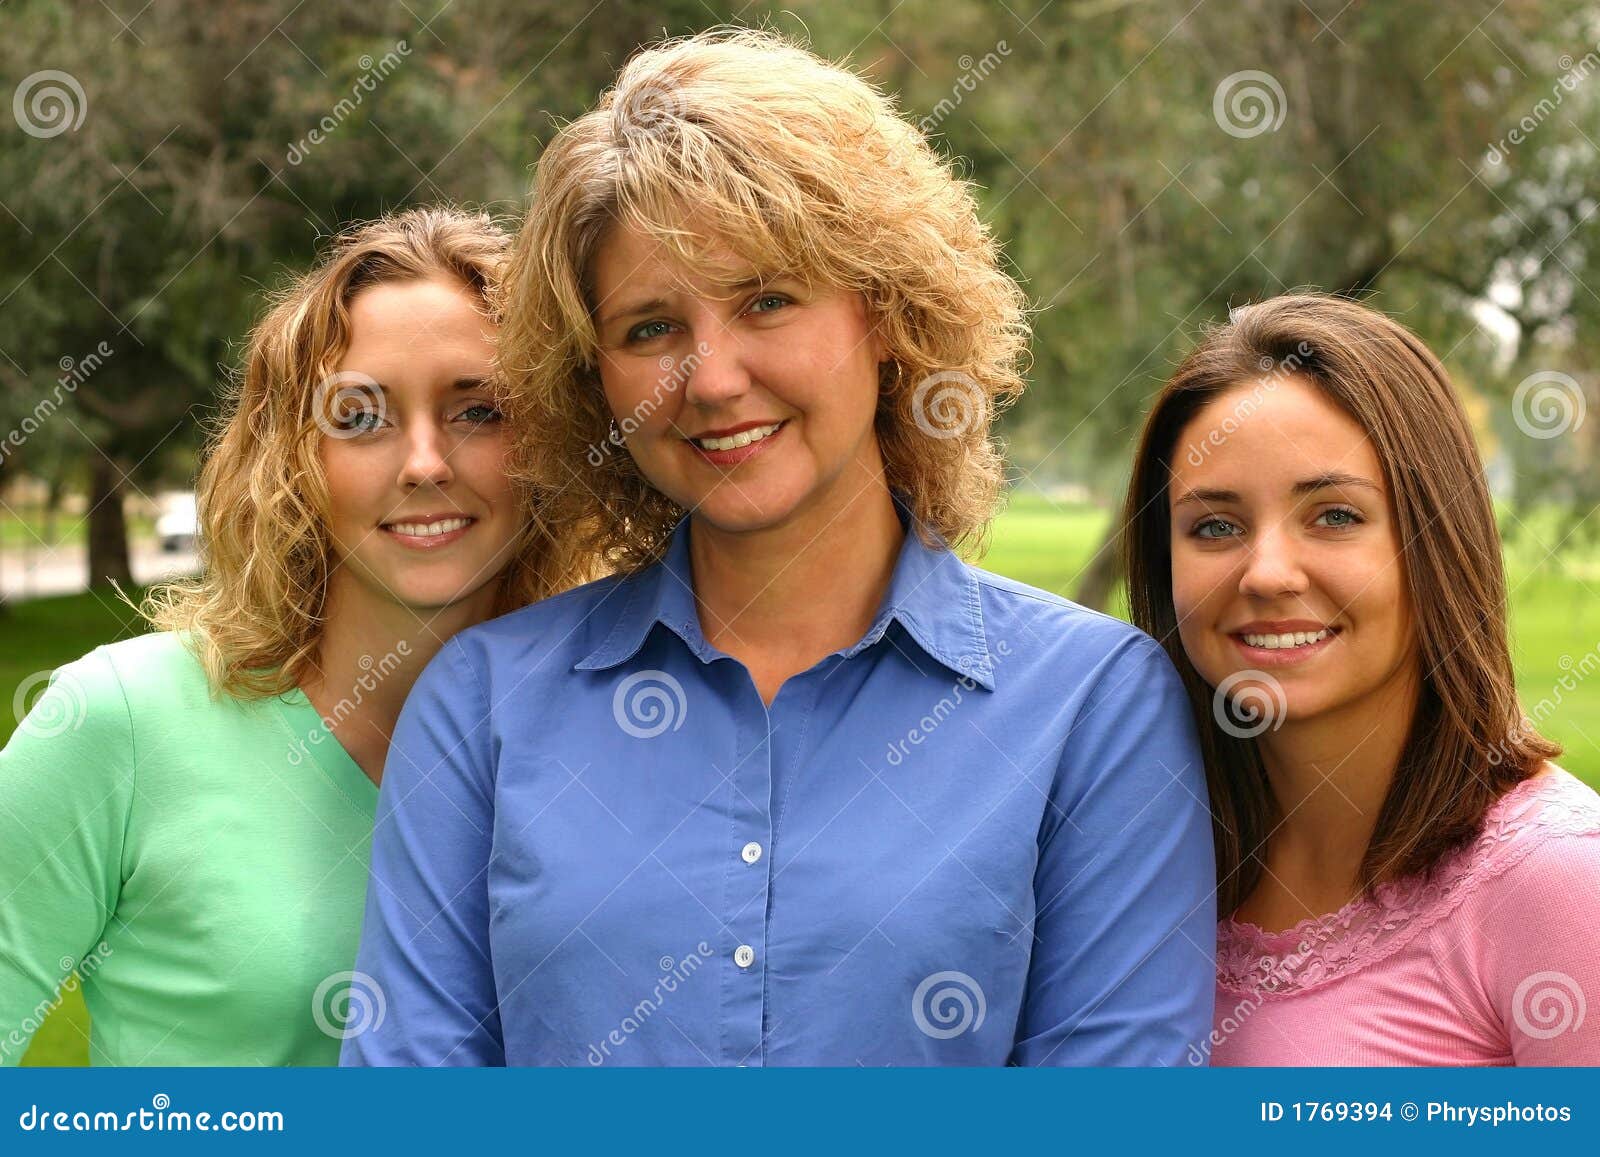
(66,788)
(1539,930)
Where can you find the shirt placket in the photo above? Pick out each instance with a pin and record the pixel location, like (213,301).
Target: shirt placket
(746,847)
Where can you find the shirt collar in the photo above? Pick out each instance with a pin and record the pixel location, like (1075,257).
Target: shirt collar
(662,593)
(932,594)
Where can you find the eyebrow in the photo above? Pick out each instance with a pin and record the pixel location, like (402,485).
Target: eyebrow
(459,385)
(656,303)
(1303,487)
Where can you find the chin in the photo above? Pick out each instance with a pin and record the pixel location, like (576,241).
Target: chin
(435,594)
(734,512)
(1302,704)
(774,500)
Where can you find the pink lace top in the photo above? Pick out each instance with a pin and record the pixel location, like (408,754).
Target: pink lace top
(1493,961)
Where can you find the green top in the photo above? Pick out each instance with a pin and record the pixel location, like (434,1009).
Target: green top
(201,862)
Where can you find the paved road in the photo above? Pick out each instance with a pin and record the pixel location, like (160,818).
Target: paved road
(64,570)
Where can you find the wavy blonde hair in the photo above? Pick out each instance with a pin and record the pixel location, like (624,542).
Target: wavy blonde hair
(793,163)
(254,616)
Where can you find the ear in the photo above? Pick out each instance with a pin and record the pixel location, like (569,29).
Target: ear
(888,368)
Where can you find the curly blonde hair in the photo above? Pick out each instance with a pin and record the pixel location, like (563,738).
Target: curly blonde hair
(254,616)
(792,163)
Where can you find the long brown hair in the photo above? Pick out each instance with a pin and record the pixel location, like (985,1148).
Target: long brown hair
(1468,741)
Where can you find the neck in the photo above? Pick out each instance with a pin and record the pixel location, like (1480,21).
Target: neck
(369,656)
(1330,775)
(780,598)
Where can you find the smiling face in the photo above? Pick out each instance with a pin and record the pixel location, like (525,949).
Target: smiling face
(1285,554)
(751,406)
(422,513)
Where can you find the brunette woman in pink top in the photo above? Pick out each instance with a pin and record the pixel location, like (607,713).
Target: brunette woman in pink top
(1407,879)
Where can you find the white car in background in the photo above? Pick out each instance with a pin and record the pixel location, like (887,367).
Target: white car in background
(177,522)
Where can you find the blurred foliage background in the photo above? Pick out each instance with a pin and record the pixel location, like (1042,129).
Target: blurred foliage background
(1374,160)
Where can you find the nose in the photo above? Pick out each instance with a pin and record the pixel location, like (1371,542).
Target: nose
(426,459)
(1273,567)
(714,373)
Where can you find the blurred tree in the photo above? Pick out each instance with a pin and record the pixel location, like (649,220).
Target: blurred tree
(1148,164)
(209,158)
(1153,164)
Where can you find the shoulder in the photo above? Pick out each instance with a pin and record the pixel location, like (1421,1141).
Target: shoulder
(1103,679)
(1536,857)
(162,655)
(157,675)
(1543,809)
(152,690)
(1549,822)
(572,608)
(1057,630)
(107,679)
(553,633)
(87,710)
(1531,917)
(1005,596)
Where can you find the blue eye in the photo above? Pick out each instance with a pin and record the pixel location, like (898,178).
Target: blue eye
(361,421)
(1202,529)
(1347,516)
(481,414)
(648,330)
(766,297)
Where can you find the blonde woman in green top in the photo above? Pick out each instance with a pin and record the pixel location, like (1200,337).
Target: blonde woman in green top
(185,817)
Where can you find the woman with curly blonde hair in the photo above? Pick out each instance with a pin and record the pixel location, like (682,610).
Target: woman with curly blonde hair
(797,775)
(185,816)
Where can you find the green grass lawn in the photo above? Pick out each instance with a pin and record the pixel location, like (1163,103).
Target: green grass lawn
(1555,617)
(30,530)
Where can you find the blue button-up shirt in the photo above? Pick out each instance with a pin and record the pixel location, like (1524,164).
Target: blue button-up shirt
(977,836)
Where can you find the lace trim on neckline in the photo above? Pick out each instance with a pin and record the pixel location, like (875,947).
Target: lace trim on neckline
(1322,949)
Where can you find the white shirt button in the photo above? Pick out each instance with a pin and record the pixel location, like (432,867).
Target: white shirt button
(744,956)
(751,852)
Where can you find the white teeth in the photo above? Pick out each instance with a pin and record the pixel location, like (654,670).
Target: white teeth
(742,438)
(1279,642)
(429,529)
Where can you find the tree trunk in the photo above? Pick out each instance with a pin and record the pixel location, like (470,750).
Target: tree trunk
(3,611)
(1100,577)
(108,531)
(57,490)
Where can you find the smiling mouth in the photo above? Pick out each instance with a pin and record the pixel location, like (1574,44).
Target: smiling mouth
(739,440)
(1288,640)
(430,533)
(1270,649)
